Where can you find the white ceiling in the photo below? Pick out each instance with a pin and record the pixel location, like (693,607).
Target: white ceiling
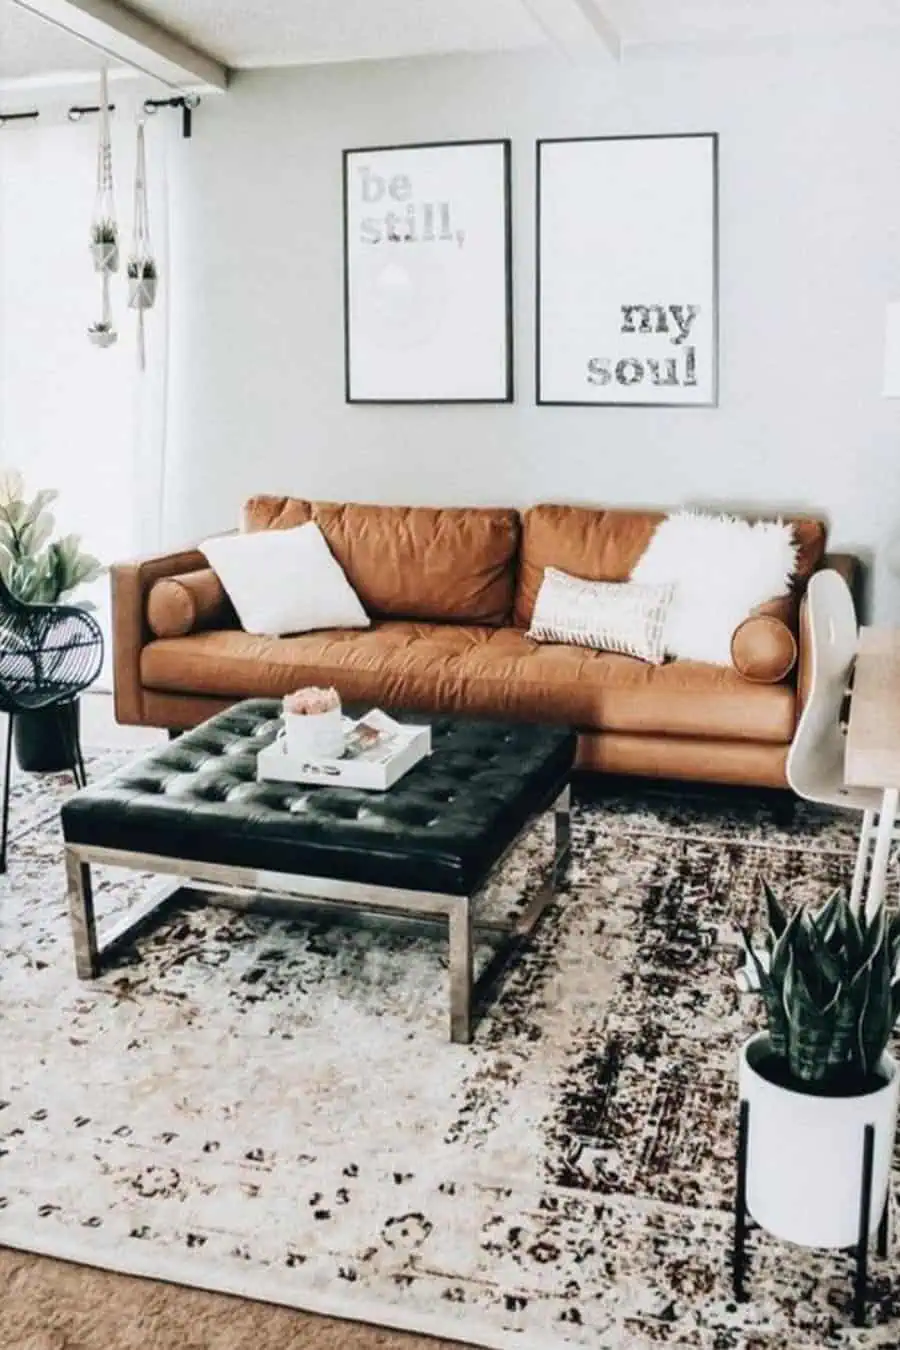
(666,21)
(298,32)
(31,48)
(250,33)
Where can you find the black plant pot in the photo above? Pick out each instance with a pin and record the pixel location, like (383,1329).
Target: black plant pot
(41,744)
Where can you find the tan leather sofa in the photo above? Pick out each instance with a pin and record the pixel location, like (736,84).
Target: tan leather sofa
(450,592)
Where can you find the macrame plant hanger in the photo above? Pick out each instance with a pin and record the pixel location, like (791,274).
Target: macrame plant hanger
(104,229)
(143,274)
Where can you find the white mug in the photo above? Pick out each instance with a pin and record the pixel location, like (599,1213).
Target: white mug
(314,735)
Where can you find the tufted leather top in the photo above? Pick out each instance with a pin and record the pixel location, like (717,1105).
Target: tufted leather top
(439,829)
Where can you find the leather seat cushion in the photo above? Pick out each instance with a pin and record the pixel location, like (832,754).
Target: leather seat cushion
(492,672)
(440,829)
(412,562)
(605,545)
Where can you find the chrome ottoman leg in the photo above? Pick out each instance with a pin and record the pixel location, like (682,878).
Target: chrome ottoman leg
(562,835)
(81,916)
(461,971)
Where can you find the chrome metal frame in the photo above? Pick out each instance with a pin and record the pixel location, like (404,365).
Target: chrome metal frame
(250,889)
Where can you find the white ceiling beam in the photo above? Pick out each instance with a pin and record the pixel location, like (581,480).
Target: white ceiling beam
(125,36)
(580,28)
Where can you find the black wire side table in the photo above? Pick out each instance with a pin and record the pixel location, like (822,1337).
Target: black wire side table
(49,654)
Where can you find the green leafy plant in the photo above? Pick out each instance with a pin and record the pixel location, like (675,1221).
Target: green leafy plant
(829,980)
(36,567)
(142,269)
(104,231)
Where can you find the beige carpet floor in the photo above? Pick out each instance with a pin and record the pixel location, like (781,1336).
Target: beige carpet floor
(51,1305)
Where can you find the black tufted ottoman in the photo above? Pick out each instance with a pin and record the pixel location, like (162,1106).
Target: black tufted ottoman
(426,847)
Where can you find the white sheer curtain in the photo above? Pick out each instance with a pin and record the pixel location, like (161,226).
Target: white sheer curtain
(72,416)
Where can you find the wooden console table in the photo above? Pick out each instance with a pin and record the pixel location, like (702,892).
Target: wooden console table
(872,754)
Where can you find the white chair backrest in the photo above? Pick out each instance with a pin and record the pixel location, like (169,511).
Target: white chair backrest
(815,764)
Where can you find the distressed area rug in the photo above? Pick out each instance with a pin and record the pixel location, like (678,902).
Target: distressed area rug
(271,1108)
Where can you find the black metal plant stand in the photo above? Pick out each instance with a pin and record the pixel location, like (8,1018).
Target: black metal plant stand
(742,1220)
(49,654)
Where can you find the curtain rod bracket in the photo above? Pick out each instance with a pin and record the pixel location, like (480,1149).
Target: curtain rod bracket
(186,102)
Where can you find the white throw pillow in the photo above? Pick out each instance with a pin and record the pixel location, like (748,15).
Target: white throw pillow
(285,581)
(722,567)
(612,616)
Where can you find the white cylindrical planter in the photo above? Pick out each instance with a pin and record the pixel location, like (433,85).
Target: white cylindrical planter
(314,735)
(805,1154)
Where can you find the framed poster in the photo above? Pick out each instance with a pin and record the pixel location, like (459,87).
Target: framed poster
(428,273)
(627,283)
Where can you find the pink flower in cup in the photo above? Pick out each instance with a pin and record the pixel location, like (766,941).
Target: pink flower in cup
(311,701)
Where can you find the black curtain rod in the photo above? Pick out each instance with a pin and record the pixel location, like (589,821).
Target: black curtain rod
(19,117)
(187,103)
(78,111)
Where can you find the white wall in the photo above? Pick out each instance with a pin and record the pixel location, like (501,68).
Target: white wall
(67,408)
(73,417)
(810,253)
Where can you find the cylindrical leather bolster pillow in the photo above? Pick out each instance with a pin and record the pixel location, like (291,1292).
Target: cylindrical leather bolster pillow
(178,605)
(763,649)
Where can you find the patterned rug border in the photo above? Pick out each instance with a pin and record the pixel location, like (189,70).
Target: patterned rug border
(270,1289)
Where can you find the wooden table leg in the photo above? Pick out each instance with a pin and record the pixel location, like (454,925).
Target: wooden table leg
(883,839)
(862,858)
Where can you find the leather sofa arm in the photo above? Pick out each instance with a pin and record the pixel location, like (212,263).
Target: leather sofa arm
(850,567)
(130,583)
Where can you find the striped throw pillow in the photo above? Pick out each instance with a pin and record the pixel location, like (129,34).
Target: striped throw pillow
(612,616)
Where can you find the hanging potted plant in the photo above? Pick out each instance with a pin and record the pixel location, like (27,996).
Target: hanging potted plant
(39,569)
(142,282)
(105,245)
(104,230)
(822,1071)
(102,333)
(142,271)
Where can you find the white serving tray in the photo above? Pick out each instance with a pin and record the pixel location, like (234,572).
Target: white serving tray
(372,770)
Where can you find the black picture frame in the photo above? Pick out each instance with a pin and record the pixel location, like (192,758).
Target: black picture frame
(505,391)
(541,397)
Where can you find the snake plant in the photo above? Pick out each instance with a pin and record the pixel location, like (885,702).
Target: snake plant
(830,983)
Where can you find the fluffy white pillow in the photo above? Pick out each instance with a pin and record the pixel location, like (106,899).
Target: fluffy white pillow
(285,581)
(722,567)
(611,616)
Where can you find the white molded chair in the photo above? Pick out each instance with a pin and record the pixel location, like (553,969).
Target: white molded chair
(815,763)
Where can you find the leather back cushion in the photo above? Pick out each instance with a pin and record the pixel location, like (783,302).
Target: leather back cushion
(812,538)
(597,545)
(412,562)
(604,545)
